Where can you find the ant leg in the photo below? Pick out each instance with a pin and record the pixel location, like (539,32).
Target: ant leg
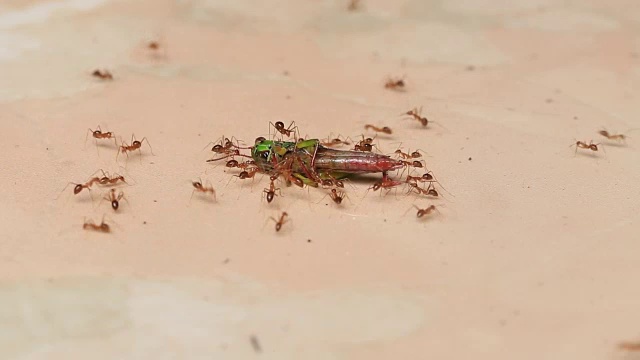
(148,144)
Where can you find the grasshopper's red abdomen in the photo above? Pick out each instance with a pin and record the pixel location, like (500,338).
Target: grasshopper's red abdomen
(354,161)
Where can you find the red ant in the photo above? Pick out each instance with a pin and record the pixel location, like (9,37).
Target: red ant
(429,191)
(271,191)
(99,134)
(115,199)
(111,180)
(135,145)
(79,187)
(224,146)
(416,114)
(365,145)
(280,222)
(414,163)
(102,227)
(245,165)
(414,155)
(583,145)
(103,75)
(248,174)
(385,183)
(395,84)
(337,196)
(385,129)
(334,142)
(197,186)
(279,126)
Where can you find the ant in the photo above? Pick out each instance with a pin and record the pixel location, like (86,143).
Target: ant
(111,180)
(279,126)
(135,145)
(102,227)
(395,84)
(247,174)
(426,177)
(335,141)
(103,75)
(414,163)
(429,191)
(115,199)
(79,187)
(280,222)
(245,165)
(337,196)
(197,186)
(583,145)
(271,191)
(385,183)
(416,114)
(426,211)
(414,155)
(385,129)
(99,134)
(365,145)
(224,146)
(616,137)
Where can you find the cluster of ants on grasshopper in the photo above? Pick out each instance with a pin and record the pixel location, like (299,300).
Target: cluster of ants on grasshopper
(312,163)
(104,179)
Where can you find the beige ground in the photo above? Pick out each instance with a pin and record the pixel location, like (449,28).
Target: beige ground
(535,253)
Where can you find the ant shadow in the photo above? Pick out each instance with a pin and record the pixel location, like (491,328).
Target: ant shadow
(590,154)
(615,144)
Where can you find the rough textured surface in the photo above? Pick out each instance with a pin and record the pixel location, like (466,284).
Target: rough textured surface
(534,254)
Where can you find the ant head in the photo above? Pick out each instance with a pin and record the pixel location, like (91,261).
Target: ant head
(227,142)
(232,163)
(77,189)
(115,204)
